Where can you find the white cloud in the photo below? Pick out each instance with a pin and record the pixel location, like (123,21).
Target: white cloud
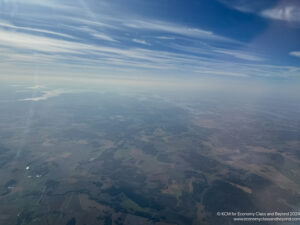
(163,28)
(222,73)
(7,25)
(96,34)
(295,53)
(165,38)
(35,42)
(143,42)
(136,59)
(240,55)
(36,87)
(160,26)
(20,49)
(57,5)
(88,22)
(285,12)
(104,37)
(21,41)
(46,95)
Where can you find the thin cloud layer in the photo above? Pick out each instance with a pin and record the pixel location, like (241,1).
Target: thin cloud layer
(286,12)
(240,55)
(36,87)
(46,95)
(143,42)
(94,41)
(295,53)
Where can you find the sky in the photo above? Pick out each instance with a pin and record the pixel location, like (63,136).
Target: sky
(157,38)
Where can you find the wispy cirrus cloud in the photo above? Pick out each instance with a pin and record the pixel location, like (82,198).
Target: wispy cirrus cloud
(285,10)
(248,5)
(51,45)
(240,55)
(46,95)
(103,43)
(36,87)
(42,31)
(166,38)
(171,28)
(223,73)
(104,37)
(53,4)
(139,41)
(29,49)
(295,53)
(20,40)
(289,13)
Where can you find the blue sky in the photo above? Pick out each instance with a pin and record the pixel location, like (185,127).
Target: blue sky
(229,38)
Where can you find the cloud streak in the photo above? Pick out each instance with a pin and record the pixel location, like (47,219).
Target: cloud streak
(42,31)
(46,95)
(143,42)
(105,44)
(287,13)
(171,28)
(240,55)
(295,53)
